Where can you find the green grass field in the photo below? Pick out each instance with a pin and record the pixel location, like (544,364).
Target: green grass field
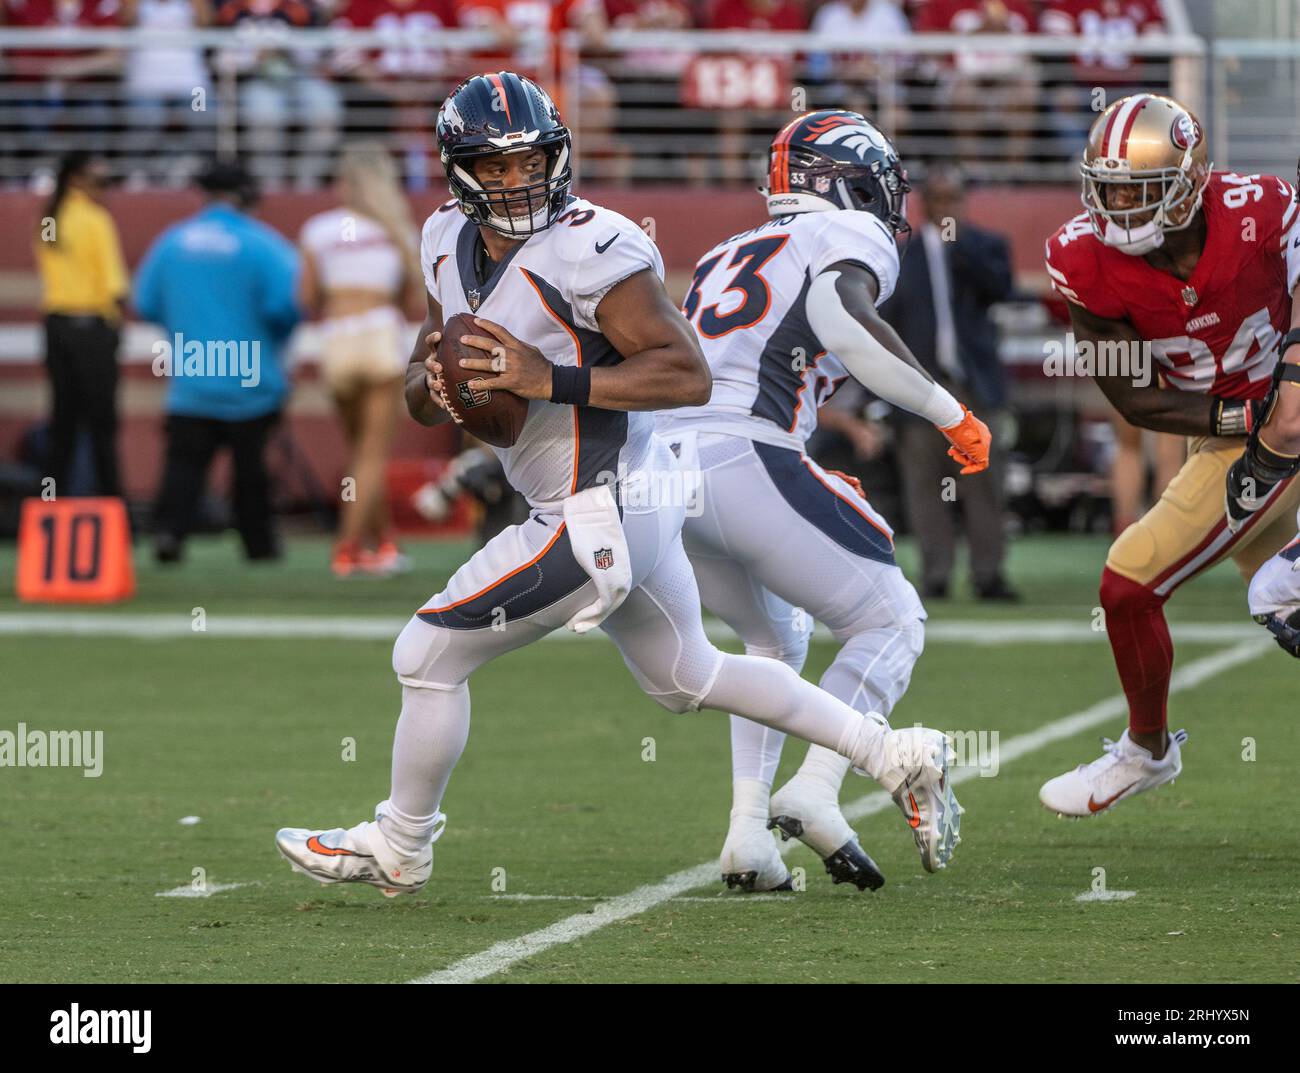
(554,801)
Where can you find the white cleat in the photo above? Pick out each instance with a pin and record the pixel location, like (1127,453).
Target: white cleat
(923,792)
(808,809)
(1123,769)
(750,860)
(360,854)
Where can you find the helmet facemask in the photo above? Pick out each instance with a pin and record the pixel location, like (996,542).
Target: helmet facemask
(519,211)
(1167,200)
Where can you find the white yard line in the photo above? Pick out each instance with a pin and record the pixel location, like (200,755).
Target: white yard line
(189,891)
(503,955)
(372,628)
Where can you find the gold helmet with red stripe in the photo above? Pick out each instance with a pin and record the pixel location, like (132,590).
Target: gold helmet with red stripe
(836,159)
(1144,171)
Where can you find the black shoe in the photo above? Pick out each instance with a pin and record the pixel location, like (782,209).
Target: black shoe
(934,590)
(167,549)
(997,590)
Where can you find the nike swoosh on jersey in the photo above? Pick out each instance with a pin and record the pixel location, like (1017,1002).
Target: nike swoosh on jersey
(1094,807)
(601,248)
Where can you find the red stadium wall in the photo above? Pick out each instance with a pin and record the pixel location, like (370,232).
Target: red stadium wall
(685,222)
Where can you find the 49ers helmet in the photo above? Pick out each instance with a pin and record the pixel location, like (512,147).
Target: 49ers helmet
(1155,149)
(504,113)
(836,160)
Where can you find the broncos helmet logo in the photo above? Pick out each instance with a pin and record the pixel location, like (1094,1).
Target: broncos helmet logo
(450,117)
(854,134)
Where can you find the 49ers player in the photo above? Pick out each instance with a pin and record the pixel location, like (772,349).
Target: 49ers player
(1195,267)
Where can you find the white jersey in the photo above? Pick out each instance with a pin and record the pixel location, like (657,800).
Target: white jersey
(747,303)
(545,292)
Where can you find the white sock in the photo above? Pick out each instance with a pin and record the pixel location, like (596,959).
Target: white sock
(771,693)
(431,735)
(825,767)
(755,751)
(870,673)
(749,798)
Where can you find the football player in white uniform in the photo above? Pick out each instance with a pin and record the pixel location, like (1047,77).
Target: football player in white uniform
(784,314)
(574,318)
(1272,455)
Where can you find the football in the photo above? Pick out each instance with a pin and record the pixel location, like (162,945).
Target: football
(495,417)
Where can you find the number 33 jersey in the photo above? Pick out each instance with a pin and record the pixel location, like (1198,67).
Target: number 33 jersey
(748,305)
(1219,330)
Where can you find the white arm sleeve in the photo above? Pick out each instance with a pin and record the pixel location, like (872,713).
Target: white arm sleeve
(874,367)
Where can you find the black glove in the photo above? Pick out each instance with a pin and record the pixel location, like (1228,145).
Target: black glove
(1253,477)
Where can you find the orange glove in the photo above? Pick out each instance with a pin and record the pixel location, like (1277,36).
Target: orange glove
(850,480)
(970,439)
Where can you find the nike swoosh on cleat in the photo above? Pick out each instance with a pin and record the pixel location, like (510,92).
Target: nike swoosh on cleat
(914,820)
(1094,807)
(317,846)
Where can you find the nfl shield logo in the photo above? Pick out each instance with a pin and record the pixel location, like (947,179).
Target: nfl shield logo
(604,558)
(473,297)
(1189,296)
(822,184)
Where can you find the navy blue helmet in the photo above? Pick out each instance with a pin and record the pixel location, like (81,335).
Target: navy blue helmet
(504,113)
(836,160)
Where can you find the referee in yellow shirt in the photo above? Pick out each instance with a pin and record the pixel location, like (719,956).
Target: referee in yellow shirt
(84,283)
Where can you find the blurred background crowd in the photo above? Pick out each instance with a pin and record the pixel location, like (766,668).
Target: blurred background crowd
(157,134)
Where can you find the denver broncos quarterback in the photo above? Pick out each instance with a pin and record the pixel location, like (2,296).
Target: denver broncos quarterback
(574,318)
(1195,267)
(785,313)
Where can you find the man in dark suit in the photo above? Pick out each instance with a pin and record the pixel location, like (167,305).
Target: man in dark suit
(951,273)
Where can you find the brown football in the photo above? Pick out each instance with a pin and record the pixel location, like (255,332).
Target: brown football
(495,417)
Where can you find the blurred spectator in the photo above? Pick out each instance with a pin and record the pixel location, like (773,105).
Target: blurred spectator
(591,111)
(650,15)
(1113,24)
(168,88)
(83,285)
(851,76)
(359,267)
(734,124)
(224,288)
(281,89)
(68,103)
(940,308)
(387,89)
(988,92)
(758,15)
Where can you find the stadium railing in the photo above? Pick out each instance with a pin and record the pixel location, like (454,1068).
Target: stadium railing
(685,106)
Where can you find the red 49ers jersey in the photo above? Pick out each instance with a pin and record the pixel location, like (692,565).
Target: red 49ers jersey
(1218,331)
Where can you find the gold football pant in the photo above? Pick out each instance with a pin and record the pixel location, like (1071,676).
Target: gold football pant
(1185,533)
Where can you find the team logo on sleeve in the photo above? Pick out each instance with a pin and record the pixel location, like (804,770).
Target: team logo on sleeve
(604,558)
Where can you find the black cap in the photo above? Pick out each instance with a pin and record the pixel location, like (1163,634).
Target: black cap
(228,176)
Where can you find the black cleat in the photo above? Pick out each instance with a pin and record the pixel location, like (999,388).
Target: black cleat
(850,864)
(745,881)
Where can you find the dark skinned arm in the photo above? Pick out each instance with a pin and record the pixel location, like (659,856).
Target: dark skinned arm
(421,399)
(662,368)
(1183,413)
